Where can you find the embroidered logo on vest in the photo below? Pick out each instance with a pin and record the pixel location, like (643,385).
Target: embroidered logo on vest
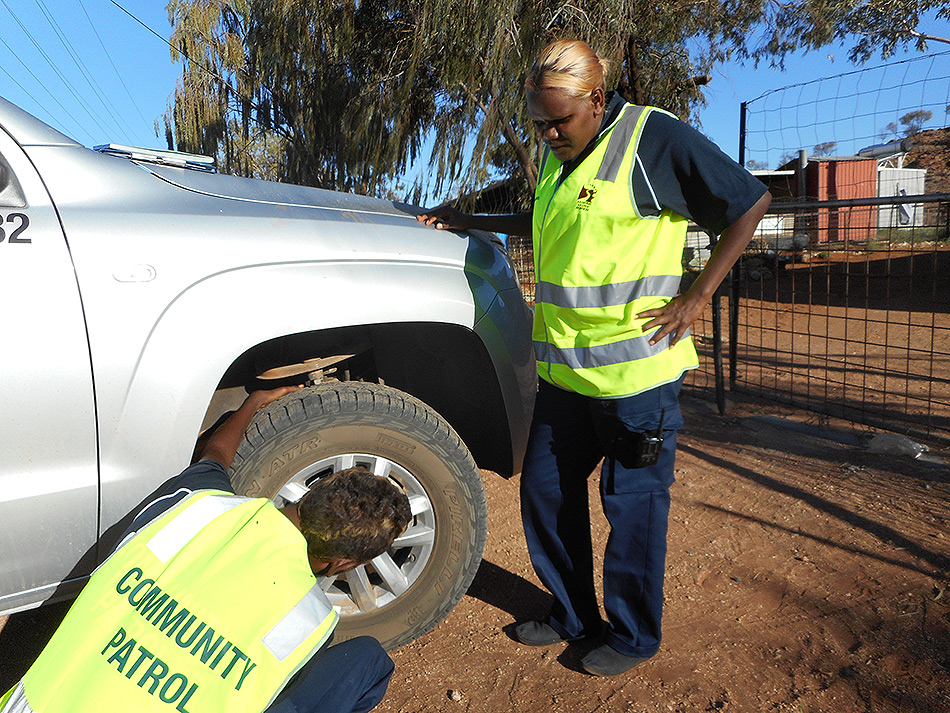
(586,197)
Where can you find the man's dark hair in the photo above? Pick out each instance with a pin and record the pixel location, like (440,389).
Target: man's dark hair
(353,514)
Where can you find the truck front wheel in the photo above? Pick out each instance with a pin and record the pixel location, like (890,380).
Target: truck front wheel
(317,431)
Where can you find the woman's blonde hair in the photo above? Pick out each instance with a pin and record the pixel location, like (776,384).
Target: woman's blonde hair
(570,65)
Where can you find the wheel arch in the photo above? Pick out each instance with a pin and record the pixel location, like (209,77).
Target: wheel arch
(444,365)
(201,342)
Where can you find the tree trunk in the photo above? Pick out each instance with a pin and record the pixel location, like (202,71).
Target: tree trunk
(631,84)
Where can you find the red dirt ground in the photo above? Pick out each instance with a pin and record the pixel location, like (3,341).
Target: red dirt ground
(804,575)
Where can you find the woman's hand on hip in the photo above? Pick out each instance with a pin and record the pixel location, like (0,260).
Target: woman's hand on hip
(674,318)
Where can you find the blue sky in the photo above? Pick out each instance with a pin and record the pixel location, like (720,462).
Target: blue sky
(90,70)
(94,73)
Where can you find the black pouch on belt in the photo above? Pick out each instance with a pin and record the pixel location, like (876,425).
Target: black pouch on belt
(636,449)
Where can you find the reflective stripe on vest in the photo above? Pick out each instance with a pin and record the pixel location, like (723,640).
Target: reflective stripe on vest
(210,607)
(604,295)
(180,531)
(627,350)
(15,701)
(621,136)
(599,263)
(291,631)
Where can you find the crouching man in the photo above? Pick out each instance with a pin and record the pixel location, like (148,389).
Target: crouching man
(210,603)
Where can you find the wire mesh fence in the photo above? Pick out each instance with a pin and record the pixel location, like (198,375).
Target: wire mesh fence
(841,303)
(857,328)
(855,114)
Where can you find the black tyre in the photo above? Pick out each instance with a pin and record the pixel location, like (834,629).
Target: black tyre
(316,431)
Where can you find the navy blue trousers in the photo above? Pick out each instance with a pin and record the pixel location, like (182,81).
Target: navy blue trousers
(349,677)
(570,434)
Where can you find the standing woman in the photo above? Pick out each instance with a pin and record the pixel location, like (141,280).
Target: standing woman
(618,184)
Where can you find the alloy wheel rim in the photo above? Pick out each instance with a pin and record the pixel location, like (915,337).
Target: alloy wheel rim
(377,584)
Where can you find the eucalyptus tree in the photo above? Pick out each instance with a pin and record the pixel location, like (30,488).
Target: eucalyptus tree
(342,94)
(871,27)
(346,93)
(323,93)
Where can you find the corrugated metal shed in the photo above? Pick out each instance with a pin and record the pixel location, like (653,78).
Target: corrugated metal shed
(842,178)
(901,182)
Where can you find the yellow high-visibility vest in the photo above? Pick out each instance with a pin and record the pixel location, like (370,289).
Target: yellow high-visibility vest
(211,607)
(598,263)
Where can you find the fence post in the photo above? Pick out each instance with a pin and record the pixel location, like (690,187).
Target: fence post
(734,273)
(717,352)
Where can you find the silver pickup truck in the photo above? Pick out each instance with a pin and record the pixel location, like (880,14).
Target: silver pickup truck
(142,295)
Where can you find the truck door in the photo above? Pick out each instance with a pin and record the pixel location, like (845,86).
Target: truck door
(48,463)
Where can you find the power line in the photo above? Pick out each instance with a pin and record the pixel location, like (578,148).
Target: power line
(83,70)
(37,101)
(55,69)
(109,57)
(43,86)
(254,105)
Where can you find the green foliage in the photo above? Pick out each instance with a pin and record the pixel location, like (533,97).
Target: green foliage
(915,235)
(305,92)
(912,123)
(874,27)
(342,93)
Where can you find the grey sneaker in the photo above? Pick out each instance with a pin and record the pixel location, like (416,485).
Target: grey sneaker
(537,633)
(605,661)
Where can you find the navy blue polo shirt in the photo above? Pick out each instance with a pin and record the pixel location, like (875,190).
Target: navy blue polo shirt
(678,168)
